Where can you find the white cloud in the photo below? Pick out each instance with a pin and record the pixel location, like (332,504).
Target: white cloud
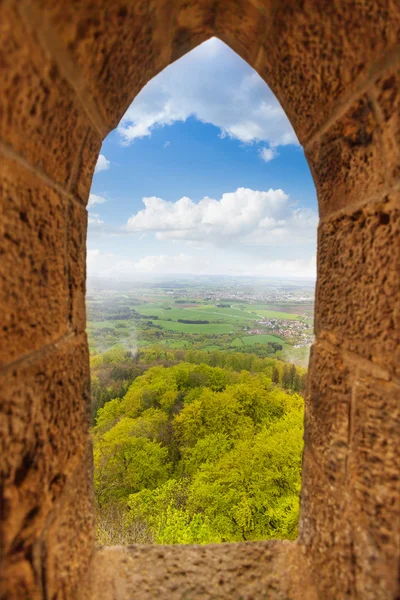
(102,164)
(109,265)
(94,219)
(214,85)
(95,199)
(267,154)
(246,216)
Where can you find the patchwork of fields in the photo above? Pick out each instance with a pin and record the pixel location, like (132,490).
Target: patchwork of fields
(181,322)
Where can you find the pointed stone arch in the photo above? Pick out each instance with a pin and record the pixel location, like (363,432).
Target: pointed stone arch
(68,72)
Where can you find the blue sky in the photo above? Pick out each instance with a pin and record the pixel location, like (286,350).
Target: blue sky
(203,175)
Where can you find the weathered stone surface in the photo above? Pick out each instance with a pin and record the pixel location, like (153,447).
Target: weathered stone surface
(69,540)
(24,584)
(346,161)
(388,98)
(252,570)
(44,422)
(39,116)
(115,68)
(358,280)
(316,51)
(327,410)
(374,487)
(76,253)
(325,532)
(238,22)
(87,162)
(33,278)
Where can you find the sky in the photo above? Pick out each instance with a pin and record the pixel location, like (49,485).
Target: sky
(204,175)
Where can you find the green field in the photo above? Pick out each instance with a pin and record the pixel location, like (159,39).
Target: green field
(251,340)
(272,314)
(227,328)
(195,328)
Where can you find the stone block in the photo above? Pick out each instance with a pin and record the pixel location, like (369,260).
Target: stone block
(114,67)
(327,410)
(358,280)
(19,582)
(238,22)
(388,99)
(39,116)
(270,570)
(191,24)
(87,162)
(44,423)
(346,161)
(325,532)
(76,252)
(316,51)
(69,540)
(374,487)
(33,278)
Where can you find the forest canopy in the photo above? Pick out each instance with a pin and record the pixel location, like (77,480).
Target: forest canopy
(194,453)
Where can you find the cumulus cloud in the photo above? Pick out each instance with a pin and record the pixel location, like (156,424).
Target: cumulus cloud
(95,199)
(267,154)
(214,85)
(246,216)
(109,265)
(102,164)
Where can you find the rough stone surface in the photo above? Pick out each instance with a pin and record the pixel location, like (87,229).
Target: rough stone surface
(358,280)
(238,22)
(76,255)
(33,278)
(43,431)
(68,71)
(316,53)
(327,412)
(345,155)
(116,67)
(374,486)
(39,115)
(70,530)
(324,527)
(388,99)
(87,162)
(262,570)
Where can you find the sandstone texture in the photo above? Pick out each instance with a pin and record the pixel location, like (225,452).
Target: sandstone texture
(68,71)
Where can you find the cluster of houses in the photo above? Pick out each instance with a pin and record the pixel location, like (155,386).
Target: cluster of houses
(300,330)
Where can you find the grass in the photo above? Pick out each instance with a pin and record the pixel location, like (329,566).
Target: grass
(208,313)
(273,314)
(193,328)
(251,340)
(211,348)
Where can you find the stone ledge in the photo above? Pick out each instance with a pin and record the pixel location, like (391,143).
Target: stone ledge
(273,570)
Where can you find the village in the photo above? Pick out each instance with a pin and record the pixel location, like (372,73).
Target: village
(299,333)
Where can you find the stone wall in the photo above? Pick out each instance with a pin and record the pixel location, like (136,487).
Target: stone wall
(68,71)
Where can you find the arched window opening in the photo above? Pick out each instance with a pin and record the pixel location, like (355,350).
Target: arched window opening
(200,297)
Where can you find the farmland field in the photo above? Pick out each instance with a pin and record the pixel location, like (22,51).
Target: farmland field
(195,328)
(272,314)
(250,340)
(237,317)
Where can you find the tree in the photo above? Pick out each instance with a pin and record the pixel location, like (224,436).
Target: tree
(194,453)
